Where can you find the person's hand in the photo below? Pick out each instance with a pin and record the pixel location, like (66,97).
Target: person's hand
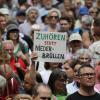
(34,56)
(18,65)
(21,55)
(10,97)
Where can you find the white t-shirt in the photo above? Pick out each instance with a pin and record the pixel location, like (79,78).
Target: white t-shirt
(45,74)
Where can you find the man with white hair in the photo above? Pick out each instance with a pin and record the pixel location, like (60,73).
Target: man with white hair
(32,15)
(86,24)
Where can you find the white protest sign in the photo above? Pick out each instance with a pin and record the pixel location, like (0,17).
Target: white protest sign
(50,46)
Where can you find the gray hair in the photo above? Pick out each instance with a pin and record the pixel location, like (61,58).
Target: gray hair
(7,42)
(30,9)
(87,19)
(83,51)
(36,88)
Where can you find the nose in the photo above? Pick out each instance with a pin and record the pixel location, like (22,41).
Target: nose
(84,60)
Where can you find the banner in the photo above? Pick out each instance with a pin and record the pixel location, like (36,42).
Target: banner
(50,46)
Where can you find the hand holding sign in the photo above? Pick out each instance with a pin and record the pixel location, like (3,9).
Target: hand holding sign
(34,56)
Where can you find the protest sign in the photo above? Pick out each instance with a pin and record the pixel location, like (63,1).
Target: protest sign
(50,46)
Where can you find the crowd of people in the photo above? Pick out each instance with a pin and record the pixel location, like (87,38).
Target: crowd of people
(24,78)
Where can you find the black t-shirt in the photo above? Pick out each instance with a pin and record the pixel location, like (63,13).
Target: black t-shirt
(77,96)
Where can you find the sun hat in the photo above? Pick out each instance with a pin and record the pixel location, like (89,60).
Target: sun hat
(12,27)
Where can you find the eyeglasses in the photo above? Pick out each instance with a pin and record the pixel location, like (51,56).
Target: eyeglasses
(84,58)
(8,50)
(93,12)
(56,17)
(45,98)
(63,23)
(87,74)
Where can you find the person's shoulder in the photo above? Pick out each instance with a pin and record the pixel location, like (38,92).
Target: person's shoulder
(23,24)
(72,96)
(94,45)
(77,96)
(97,95)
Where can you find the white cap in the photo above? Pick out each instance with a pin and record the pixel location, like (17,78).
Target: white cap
(75,36)
(4,11)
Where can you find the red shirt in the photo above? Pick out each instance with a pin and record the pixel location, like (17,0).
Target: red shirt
(12,64)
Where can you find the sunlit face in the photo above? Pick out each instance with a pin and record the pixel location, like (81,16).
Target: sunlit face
(77,66)
(35,2)
(96,29)
(14,34)
(2,22)
(75,45)
(64,25)
(86,26)
(53,18)
(44,93)
(93,13)
(69,71)
(60,85)
(47,4)
(67,4)
(9,48)
(28,82)
(89,3)
(87,77)
(20,19)
(84,58)
(33,16)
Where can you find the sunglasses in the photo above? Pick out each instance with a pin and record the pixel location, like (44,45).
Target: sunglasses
(45,98)
(92,12)
(56,17)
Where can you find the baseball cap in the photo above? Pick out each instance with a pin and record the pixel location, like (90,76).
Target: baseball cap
(83,11)
(21,13)
(75,36)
